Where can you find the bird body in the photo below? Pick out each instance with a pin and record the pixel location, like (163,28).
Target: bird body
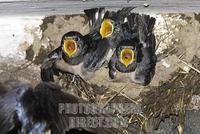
(125,58)
(62,60)
(141,69)
(75,69)
(38,110)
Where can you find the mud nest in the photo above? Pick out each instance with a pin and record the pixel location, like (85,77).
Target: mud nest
(170,100)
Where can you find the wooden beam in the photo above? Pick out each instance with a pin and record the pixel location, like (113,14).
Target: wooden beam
(55,7)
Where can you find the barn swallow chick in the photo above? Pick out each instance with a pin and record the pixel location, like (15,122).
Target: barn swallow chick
(138,62)
(125,58)
(36,110)
(69,57)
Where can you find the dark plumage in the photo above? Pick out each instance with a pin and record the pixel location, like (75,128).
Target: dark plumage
(8,119)
(28,110)
(105,25)
(124,62)
(146,67)
(68,57)
(142,68)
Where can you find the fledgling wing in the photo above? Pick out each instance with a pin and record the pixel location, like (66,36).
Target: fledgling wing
(95,16)
(146,35)
(8,104)
(111,66)
(145,28)
(42,107)
(146,68)
(96,58)
(48,67)
(24,110)
(132,23)
(120,15)
(7,113)
(124,13)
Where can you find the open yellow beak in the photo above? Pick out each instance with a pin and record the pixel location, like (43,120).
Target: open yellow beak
(127,56)
(106,28)
(70,47)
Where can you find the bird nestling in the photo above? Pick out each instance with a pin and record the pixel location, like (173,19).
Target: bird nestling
(28,110)
(140,60)
(69,57)
(125,58)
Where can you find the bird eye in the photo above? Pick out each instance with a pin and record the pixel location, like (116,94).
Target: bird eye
(120,48)
(76,39)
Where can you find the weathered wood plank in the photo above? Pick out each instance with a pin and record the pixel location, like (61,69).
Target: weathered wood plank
(50,7)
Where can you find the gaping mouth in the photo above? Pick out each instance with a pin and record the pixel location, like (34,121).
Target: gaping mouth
(127,56)
(106,29)
(70,47)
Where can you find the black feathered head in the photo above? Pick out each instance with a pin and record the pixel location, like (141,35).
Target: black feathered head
(73,44)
